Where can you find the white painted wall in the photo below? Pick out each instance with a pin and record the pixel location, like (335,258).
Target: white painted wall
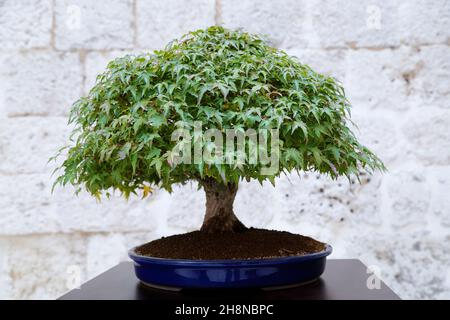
(392,56)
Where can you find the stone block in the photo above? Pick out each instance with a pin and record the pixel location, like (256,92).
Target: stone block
(94,24)
(25,24)
(159,22)
(39,83)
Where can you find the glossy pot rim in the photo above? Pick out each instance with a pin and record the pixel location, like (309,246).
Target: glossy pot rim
(229,262)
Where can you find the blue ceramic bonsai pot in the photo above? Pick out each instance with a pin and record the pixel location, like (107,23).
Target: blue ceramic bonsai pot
(253,273)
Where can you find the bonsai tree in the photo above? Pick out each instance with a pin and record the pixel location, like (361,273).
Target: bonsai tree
(124,136)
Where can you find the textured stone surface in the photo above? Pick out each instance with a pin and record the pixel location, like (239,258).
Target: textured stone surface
(284,23)
(25,24)
(374,78)
(253,195)
(375,130)
(396,74)
(429,136)
(106,250)
(340,24)
(5,279)
(424,22)
(431,76)
(42,267)
(440,205)
(408,196)
(364,23)
(187,205)
(159,22)
(409,261)
(43,136)
(30,207)
(39,82)
(326,209)
(94,24)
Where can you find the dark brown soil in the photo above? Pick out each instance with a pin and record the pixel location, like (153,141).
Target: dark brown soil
(249,244)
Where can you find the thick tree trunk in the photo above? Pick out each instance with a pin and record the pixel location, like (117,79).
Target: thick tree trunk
(219,215)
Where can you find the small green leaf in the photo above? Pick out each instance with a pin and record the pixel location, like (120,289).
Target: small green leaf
(137,124)
(157,120)
(134,158)
(317,155)
(124,151)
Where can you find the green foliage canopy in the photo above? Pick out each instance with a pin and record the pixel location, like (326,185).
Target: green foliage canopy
(224,78)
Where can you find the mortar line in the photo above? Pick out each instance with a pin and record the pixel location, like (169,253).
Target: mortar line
(329,48)
(134,23)
(53,25)
(218,13)
(82,57)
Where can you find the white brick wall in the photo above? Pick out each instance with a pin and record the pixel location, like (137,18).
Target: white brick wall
(392,56)
(39,82)
(26,24)
(158,22)
(94,25)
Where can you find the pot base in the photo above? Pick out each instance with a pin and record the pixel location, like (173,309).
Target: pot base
(270,274)
(274,288)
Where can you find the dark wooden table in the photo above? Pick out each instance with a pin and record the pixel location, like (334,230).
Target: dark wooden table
(343,279)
